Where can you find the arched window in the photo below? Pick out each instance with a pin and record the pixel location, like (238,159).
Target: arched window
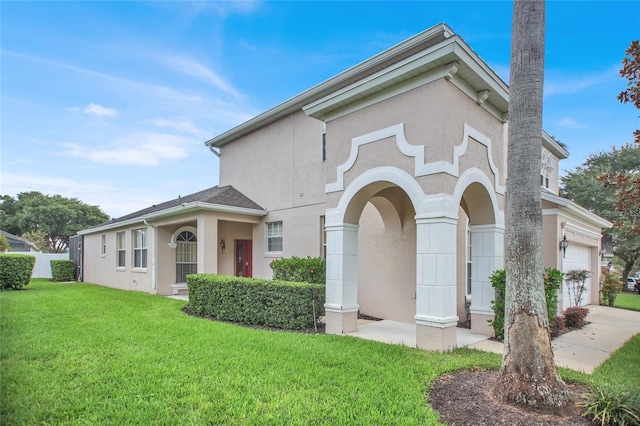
(186,255)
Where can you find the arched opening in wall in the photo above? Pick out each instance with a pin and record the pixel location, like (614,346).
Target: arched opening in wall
(478,253)
(386,252)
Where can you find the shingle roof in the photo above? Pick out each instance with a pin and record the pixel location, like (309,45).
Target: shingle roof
(225,195)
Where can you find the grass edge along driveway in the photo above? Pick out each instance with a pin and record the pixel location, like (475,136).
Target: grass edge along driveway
(85,354)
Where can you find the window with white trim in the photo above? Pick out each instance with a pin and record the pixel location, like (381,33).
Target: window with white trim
(274,236)
(103,243)
(186,255)
(139,237)
(324,141)
(546,168)
(120,249)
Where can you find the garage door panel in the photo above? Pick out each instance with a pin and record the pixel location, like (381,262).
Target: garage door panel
(576,257)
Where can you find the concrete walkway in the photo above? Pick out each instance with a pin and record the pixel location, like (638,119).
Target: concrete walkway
(582,350)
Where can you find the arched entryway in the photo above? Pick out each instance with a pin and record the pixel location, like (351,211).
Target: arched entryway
(391,196)
(480,248)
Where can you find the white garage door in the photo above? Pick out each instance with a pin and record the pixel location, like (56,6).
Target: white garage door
(577,257)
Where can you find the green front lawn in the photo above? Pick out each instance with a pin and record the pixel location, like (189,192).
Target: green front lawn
(628,301)
(85,354)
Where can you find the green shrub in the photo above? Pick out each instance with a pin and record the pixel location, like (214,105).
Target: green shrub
(612,406)
(552,282)
(62,270)
(15,270)
(295,269)
(574,316)
(287,305)
(610,288)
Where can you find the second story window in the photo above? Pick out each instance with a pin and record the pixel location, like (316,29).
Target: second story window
(546,168)
(324,141)
(274,236)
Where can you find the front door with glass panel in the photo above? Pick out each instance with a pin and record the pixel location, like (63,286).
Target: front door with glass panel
(186,256)
(243,258)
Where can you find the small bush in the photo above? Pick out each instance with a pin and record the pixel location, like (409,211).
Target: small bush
(499,283)
(62,270)
(610,287)
(15,270)
(552,282)
(557,326)
(612,406)
(575,280)
(295,269)
(575,317)
(280,304)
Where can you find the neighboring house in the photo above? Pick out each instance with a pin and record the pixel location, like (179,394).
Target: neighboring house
(394,170)
(18,244)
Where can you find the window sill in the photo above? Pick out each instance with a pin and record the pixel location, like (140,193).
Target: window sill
(120,268)
(273,254)
(139,270)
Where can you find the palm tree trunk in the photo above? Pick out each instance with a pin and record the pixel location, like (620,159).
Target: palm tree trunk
(528,376)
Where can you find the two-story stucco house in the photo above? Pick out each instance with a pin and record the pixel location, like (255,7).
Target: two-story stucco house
(394,170)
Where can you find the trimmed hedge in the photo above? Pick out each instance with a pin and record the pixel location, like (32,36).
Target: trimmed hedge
(15,270)
(287,305)
(62,270)
(295,269)
(552,282)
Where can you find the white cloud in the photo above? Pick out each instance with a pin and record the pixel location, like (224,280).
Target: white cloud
(114,201)
(196,69)
(142,149)
(181,125)
(100,111)
(570,122)
(577,83)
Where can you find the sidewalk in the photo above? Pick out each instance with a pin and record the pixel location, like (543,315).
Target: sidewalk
(582,350)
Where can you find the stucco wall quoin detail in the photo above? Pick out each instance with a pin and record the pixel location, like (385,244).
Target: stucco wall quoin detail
(421,168)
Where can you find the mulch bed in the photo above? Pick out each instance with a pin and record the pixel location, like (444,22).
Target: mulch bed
(465,398)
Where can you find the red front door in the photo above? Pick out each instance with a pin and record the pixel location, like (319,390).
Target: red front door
(243,258)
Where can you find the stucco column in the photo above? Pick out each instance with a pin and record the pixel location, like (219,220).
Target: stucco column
(487,255)
(341,307)
(207,226)
(436,318)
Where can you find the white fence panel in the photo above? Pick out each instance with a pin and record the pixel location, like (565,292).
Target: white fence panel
(43,267)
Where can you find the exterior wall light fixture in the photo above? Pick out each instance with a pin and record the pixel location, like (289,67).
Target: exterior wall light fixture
(564,243)
(222,245)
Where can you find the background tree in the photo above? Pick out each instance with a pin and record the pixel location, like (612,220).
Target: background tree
(38,238)
(4,244)
(631,71)
(528,376)
(608,184)
(55,216)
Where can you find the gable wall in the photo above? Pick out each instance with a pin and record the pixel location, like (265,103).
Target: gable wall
(434,115)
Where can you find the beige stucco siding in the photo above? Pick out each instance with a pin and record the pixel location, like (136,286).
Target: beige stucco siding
(278,166)
(433,115)
(102,269)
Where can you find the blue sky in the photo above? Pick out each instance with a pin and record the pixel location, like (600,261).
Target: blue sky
(111,102)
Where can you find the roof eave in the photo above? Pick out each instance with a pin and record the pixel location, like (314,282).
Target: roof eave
(295,103)
(577,210)
(177,210)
